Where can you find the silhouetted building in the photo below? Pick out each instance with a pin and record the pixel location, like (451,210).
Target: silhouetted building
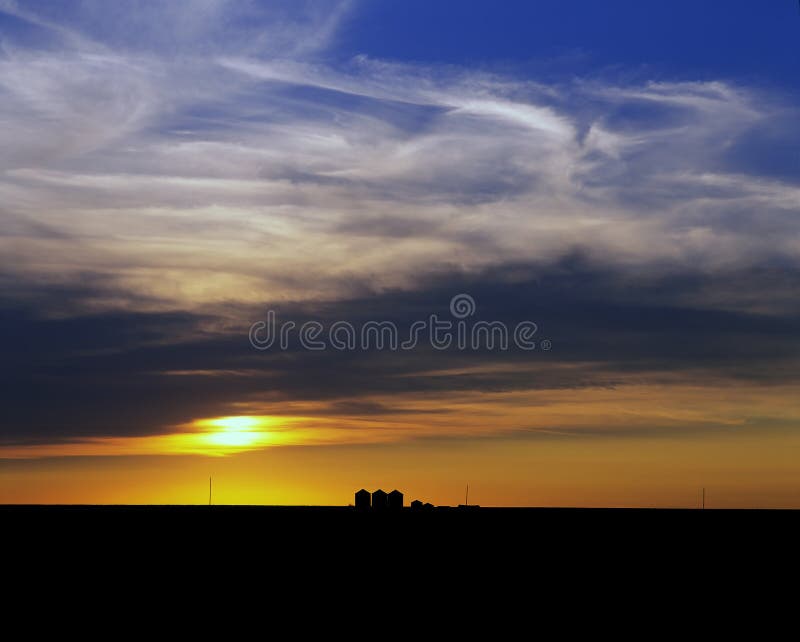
(428,506)
(363,499)
(395,500)
(416,505)
(380,500)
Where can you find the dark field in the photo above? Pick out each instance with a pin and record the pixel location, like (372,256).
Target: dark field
(482,530)
(312,550)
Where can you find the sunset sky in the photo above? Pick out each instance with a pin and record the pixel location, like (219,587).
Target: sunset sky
(623,174)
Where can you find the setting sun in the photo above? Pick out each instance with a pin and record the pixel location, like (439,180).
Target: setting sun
(235,432)
(236,424)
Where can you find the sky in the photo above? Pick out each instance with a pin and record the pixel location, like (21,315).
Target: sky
(623,175)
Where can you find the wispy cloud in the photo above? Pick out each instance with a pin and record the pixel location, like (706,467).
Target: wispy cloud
(276,159)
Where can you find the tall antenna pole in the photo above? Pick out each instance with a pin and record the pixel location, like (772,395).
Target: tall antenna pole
(466,499)
(704,498)
(209,490)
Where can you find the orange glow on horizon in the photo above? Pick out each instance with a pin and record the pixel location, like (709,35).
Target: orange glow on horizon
(741,469)
(633,445)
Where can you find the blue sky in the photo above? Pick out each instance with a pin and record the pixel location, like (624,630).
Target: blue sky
(682,39)
(677,39)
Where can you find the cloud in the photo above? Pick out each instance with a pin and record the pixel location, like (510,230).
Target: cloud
(167,171)
(141,374)
(276,162)
(185,27)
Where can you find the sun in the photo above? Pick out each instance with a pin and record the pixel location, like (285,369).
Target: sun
(240,423)
(234,439)
(235,433)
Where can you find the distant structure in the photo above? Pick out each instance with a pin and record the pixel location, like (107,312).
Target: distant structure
(466,503)
(363,500)
(380,500)
(395,500)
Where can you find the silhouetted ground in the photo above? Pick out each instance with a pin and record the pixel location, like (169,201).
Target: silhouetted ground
(479,532)
(313,552)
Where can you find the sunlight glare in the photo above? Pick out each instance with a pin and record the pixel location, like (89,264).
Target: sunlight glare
(235,433)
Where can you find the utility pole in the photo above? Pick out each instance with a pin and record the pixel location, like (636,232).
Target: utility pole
(209,490)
